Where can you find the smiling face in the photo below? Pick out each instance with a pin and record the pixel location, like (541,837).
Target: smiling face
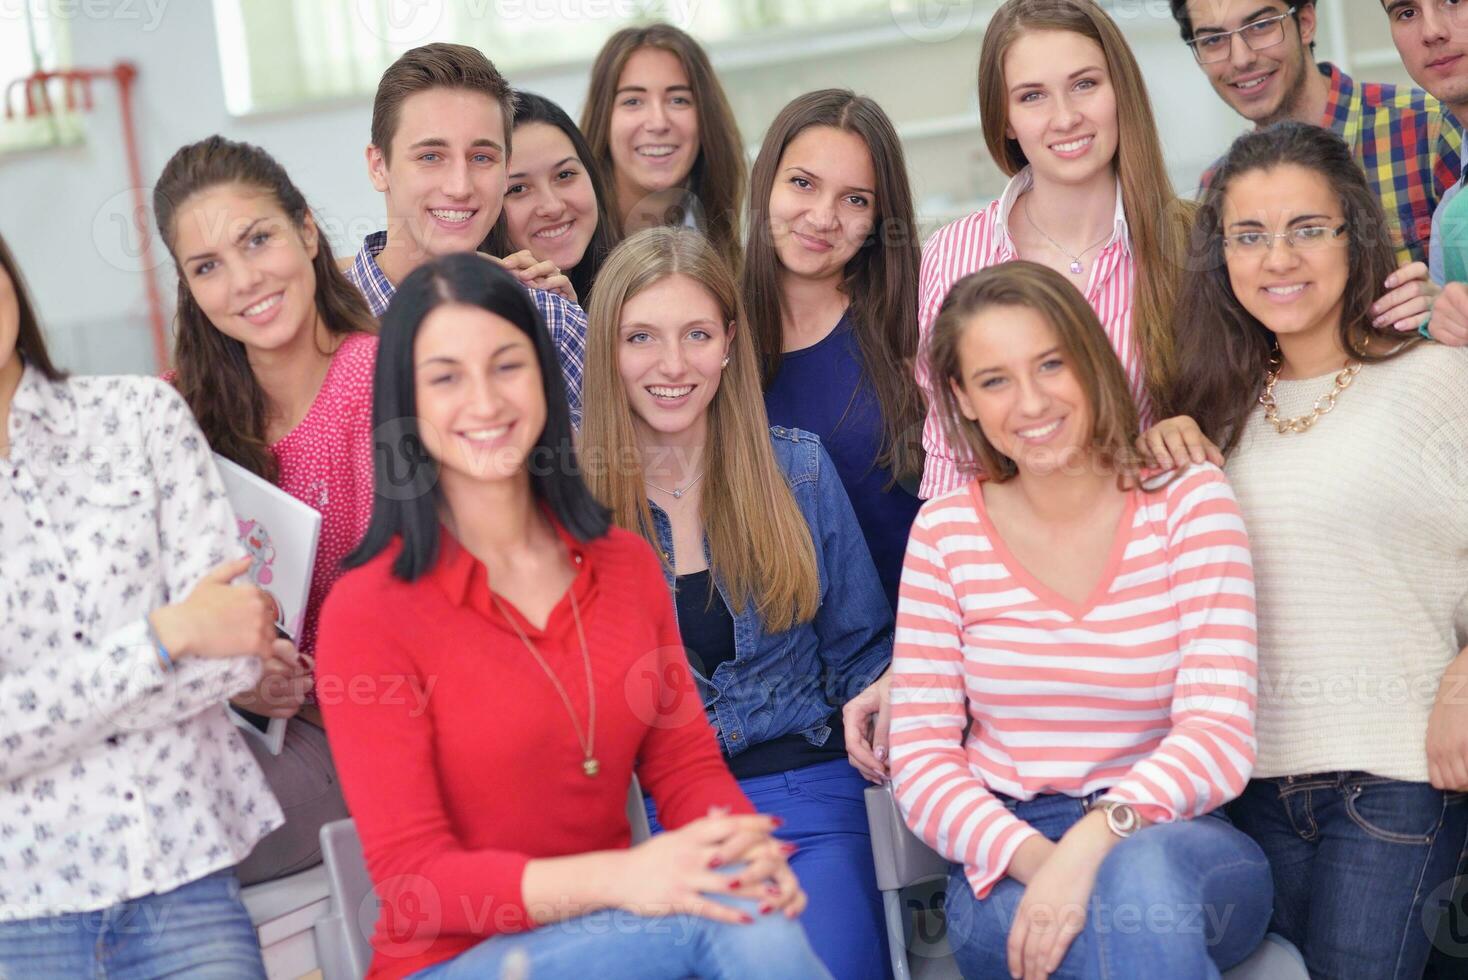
(672,341)
(247,266)
(479,392)
(823,204)
(444,174)
(654,125)
(1263,86)
(1293,291)
(1061,105)
(550,206)
(1433,43)
(1019,386)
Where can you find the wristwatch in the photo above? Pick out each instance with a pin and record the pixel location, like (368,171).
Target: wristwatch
(1122,819)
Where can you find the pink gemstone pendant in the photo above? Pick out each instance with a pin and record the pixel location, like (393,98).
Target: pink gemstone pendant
(1076,267)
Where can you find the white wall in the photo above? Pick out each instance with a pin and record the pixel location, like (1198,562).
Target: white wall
(64,211)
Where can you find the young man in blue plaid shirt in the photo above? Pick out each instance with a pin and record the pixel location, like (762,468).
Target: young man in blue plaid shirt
(439,153)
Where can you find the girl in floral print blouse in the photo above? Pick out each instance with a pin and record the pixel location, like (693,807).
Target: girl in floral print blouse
(126,795)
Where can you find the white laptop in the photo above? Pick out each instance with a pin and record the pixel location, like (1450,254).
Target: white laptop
(280,533)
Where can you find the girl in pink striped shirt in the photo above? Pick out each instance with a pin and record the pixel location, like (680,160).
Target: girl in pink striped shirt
(1059,93)
(1074,680)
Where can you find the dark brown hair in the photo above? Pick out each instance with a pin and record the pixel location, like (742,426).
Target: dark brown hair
(1224,353)
(532,108)
(212,370)
(881,279)
(718,175)
(1114,425)
(431,66)
(29,342)
(1156,219)
(1185,20)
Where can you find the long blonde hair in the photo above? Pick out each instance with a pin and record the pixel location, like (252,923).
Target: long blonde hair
(1158,221)
(719,173)
(760,547)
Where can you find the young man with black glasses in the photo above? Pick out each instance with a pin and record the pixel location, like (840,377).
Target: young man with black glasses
(1257,54)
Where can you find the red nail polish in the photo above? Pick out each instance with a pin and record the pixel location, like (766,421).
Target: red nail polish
(778,821)
(734,885)
(716,862)
(746,920)
(788,849)
(766,909)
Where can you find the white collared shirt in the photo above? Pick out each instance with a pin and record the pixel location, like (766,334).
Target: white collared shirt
(117,778)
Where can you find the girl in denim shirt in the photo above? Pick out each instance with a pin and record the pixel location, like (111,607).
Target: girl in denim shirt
(779,606)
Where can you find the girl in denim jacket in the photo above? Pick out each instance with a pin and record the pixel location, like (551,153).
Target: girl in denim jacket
(779,606)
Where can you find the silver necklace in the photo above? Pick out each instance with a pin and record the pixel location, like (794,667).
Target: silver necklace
(676,494)
(1075,259)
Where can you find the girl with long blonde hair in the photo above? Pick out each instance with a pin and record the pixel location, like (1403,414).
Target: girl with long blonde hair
(779,606)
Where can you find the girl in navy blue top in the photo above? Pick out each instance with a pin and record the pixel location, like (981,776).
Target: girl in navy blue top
(779,607)
(830,289)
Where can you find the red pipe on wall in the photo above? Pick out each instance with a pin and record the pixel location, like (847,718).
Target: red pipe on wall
(124,73)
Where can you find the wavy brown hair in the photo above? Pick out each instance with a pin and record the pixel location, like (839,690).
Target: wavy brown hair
(1157,220)
(881,279)
(1224,353)
(212,369)
(29,342)
(760,545)
(718,175)
(1087,349)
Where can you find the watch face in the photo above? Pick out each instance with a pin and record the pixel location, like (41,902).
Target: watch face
(1122,819)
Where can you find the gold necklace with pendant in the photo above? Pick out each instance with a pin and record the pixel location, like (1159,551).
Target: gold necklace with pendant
(589,765)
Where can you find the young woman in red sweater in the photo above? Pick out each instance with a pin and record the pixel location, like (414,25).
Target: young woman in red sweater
(496,666)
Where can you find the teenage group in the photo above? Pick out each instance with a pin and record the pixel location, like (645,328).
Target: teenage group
(1124,535)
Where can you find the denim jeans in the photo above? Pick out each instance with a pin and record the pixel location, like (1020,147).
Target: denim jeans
(1180,900)
(1363,866)
(199,930)
(824,814)
(623,946)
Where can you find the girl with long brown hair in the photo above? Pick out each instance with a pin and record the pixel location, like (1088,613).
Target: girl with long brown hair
(662,129)
(274,354)
(778,604)
(1066,115)
(1341,439)
(1073,680)
(830,289)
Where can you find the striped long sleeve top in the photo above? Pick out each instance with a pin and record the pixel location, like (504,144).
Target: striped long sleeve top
(982,240)
(1146,691)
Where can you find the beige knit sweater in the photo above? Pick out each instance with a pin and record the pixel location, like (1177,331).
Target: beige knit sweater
(1359,529)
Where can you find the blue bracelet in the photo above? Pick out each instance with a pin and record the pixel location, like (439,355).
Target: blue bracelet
(163,656)
(1422,329)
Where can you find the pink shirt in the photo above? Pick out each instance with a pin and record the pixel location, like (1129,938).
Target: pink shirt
(1146,690)
(979,241)
(326,462)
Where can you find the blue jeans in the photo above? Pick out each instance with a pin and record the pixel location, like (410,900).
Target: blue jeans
(1363,866)
(623,946)
(197,930)
(1181,900)
(825,816)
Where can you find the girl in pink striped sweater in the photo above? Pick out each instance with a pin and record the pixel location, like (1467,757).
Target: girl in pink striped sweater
(1074,679)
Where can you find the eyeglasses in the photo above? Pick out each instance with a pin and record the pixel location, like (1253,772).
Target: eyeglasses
(1303,238)
(1258,35)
